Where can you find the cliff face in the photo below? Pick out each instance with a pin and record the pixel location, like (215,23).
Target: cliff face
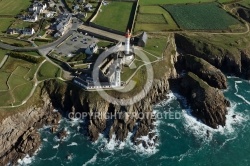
(126,118)
(19,134)
(208,104)
(232,57)
(213,76)
(18,137)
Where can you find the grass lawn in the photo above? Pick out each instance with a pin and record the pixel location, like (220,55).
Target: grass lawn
(151,19)
(155,2)
(40,43)
(15,41)
(3,78)
(6,98)
(20,24)
(154,18)
(21,92)
(21,71)
(115,15)
(104,43)
(156,45)
(15,73)
(5,23)
(13,7)
(15,81)
(47,71)
(207,16)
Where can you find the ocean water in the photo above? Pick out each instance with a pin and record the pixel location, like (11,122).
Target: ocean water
(182,142)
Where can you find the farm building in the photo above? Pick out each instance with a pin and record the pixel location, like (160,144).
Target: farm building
(143,39)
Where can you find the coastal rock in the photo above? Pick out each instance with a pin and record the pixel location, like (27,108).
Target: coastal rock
(62,134)
(224,56)
(213,76)
(208,104)
(19,134)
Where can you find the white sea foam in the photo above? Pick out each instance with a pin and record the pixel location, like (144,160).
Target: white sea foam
(45,139)
(240,96)
(201,130)
(92,160)
(55,110)
(73,144)
(56,146)
(25,161)
(170,97)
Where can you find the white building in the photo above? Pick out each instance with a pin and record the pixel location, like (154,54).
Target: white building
(28,31)
(31,18)
(37,7)
(91,49)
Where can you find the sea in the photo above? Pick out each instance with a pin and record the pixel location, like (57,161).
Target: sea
(182,142)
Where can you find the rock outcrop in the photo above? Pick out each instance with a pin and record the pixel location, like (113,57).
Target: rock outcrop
(208,104)
(19,135)
(232,57)
(213,76)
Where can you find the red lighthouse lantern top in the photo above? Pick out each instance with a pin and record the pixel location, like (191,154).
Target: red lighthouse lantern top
(128,34)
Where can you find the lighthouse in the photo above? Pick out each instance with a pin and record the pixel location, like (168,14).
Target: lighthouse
(127,42)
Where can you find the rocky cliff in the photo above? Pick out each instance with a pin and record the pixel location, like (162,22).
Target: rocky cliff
(208,104)
(19,135)
(213,76)
(18,132)
(225,52)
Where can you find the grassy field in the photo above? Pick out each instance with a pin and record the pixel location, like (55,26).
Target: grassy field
(21,24)
(208,16)
(154,18)
(151,19)
(115,15)
(154,2)
(13,7)
(15,81)
(14,41)
(5,23)
(156,45)
(47,71)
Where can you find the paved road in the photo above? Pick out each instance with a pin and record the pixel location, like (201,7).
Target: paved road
(99,32)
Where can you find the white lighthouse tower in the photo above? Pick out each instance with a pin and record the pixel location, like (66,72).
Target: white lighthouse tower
(127,42)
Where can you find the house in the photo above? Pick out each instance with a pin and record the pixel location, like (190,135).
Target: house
(61,24)
(88,7)
(31,18)
(81,1)
(13,31)
(28,31)
(50,14)
(37,7)
(91,49)
(51,4)
(76,8)
(143,39)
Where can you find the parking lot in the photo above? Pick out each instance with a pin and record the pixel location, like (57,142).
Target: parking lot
(74,44)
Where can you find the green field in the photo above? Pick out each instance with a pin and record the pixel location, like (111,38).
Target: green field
(115,15)
(15,84)
(47,71)
(154,18)
(5,23)
(13,7)
(155,2)
(15,42)
(156,45)
(151,19)
(207,16)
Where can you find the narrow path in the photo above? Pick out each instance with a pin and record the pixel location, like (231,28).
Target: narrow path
(3,61)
